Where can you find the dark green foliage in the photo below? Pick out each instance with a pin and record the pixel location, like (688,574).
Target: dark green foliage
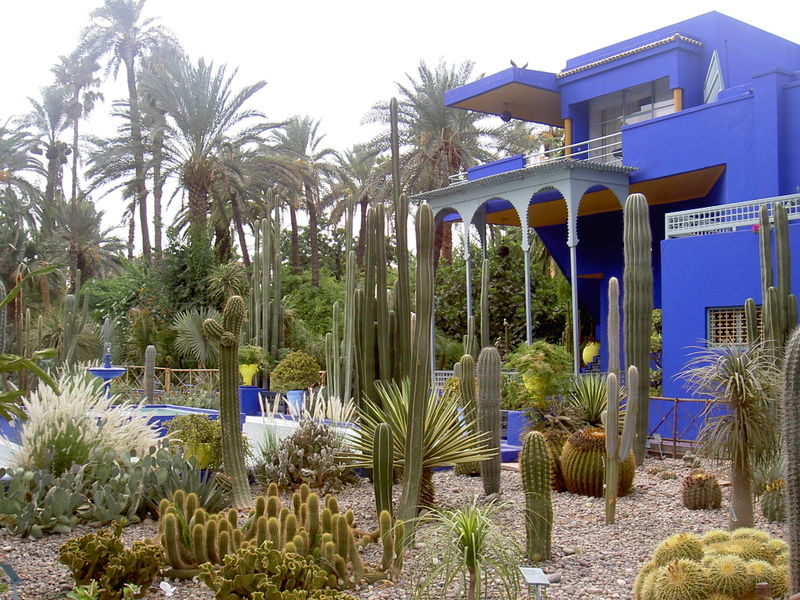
(298,371)
(534,467)
(312,303)
(312,454)
(550,295)
(545,369)
(701,491)
(100,556)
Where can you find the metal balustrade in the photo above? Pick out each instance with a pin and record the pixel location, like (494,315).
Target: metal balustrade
(726,217)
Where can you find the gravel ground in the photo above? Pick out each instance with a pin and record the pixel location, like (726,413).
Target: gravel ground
(590,561)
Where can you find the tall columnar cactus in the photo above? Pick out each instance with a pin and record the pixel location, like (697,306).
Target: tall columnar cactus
(485,329)
(638,306)
(613,326)
(420,366)
(227,334)
(534,467)
(488,407)
(149,373)
(382,467)
(617,450)
(3,314)
(466,377)
(791,451)
(471,339)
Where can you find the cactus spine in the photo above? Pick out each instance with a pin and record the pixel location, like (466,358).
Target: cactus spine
(227,334)
(638,306)
(466,377)
(382,467)
(485,329)
(488,407)
(534,467)
(791,450)
(420,369)
(149,373)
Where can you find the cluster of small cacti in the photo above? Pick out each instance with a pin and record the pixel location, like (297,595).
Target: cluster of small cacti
(773,502)
(583,464)
(554,439)
(191,537)
(488,409)
(261,572)
(721,565)
(701,491)
(467,388)
(312,454)
(534,467)
(101,556)
(226,334)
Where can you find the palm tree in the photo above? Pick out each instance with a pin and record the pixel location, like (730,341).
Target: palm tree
(436,141)
(118,31)
(298,140)
(204,112)
(16,160)
(49,118)
(742,431)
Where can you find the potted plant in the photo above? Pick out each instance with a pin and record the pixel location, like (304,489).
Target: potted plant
(199,436)
(293,375)
(250,359)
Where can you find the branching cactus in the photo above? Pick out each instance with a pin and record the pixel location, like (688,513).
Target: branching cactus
(382,467)
(638,306)
(618,450)
(534,467)
(791,452)
(488,406)
(227,334)
(149,373)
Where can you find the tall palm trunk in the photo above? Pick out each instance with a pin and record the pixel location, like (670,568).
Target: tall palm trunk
(313,233)
(295,240)
(138,153)
(72,253)
(741,494)
(237,219)
(158,189)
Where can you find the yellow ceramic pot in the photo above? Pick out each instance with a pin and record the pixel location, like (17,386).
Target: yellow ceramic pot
(590,352)
(248,372)
(201,452)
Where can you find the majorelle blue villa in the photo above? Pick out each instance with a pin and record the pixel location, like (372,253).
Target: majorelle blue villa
(702,116)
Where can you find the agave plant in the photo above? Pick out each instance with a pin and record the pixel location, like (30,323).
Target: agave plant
(191,341)
(449,439)
(587,400)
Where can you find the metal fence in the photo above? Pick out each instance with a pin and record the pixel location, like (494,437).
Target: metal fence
(175,380)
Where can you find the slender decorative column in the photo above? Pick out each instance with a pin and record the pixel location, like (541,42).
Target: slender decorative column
(573,279)
(567,136)
(528,324)
(677,99)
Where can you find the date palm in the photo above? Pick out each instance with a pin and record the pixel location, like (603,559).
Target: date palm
(739,427)
(16,162)
(119,32)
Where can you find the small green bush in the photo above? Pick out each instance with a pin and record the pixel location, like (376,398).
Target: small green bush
(298,371)
(197,429)
(251,355)
(545,369)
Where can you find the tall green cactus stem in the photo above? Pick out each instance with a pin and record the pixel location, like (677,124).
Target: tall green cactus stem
(382,467)
(3,317)
(764,250)
(227,334)
(381,298)
(751,321)
(638,306)
(402,297)
(618,450)
(485,329)
(466,376)
(791,451)
(488,407)
(534,467)
(471,340)
(420,369)
(149,373)
(613,326)
(367,368)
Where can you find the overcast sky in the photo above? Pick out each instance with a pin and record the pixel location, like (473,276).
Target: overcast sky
(334,60)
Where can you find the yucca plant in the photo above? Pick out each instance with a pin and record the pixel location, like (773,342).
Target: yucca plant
(587,400)
(745,381)
(466,547)
(448,439)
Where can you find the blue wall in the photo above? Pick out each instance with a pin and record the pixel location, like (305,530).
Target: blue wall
(699,272)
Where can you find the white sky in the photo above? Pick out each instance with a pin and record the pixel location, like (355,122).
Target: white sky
(334,60)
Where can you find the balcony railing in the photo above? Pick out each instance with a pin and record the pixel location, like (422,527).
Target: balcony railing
(726,217)
(606,149)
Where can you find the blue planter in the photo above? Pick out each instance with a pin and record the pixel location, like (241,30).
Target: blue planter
(248,399)
(295,399)
(12,434)
(518,426)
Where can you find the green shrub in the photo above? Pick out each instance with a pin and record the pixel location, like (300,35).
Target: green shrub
(197,429)
(298,371)
(251,355)
(545,369)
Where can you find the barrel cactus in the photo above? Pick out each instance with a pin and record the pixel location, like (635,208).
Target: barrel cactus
(701,491)
(583,464)
(773,505)
(555,438)
(535,471)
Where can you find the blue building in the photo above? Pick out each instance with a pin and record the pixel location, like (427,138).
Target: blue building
(703,117)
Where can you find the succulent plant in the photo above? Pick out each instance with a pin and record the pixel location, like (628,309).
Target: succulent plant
(488,411)
(773,502)
(701,491)
(582,463)
(555,438)
(534,468)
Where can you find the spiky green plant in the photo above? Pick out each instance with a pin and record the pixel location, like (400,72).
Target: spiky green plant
(470,548)
(745,380)
(587,400)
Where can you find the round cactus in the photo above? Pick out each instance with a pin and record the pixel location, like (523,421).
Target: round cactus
(583,460)
(701,491)
(773,506)
(678,546)
(682,580)
(728,574)
(554,439)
